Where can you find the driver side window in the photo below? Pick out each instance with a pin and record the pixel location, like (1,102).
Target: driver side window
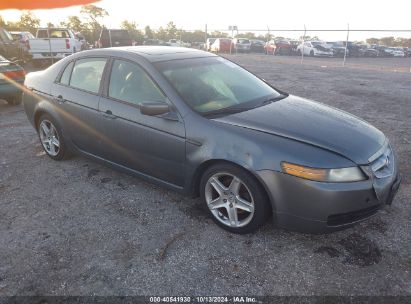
(130,83)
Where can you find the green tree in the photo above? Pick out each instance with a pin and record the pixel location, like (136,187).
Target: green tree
(372,40)
(49,25)
(135,33)
(162,34)
(171,30)
(93,14)
(75,24)
(196,36)
(2,22)
(388,41)
(28,22)
(148,33)
(248,35)
(218,34)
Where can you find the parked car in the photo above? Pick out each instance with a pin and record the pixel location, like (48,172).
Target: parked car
(209,43)
(22,40)
(114,37)
(9,91)
(221,45)
(52,43)
(241,45)
(381,50)
(155,42)
(366,51)
(315,48)
(84,45)
(213,129)
(8,47)
(21,36)
(407,51)
(283,47)
(338,49)
(294,46)
(176,42)
(395,51)
(270,47)
(257,46)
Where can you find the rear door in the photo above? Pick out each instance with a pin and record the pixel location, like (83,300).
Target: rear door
(76,93)
(152,145)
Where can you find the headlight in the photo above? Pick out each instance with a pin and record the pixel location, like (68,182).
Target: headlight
(340,175)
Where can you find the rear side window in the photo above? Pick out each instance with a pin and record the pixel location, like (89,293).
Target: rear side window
(65,77)
(59,34)
(130,83)
(87,74)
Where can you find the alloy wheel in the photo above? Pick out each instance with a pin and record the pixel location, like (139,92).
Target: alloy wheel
(49,137)
(229,200)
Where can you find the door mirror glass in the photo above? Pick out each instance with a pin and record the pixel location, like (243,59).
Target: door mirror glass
(154,108)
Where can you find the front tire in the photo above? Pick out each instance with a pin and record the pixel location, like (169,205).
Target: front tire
(51,138)
(236,201)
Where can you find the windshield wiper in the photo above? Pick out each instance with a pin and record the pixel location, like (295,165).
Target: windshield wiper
(243,107)
(274,99)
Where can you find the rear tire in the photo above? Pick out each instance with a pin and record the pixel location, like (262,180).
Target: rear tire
(235,200)
(51,138)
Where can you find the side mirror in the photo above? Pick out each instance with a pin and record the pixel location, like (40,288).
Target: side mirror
(154,108)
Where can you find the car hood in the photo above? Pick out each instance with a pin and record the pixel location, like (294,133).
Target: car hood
(313,123)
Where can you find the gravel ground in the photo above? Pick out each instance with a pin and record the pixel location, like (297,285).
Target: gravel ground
(79,228)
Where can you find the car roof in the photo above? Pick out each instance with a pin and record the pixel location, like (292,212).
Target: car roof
(153,53)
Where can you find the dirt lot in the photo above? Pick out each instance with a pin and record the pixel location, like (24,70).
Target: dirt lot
(78,228)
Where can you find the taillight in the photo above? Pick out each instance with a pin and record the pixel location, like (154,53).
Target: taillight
(15,74)
(67,43)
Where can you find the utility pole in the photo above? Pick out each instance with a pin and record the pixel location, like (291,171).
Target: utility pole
(346,44)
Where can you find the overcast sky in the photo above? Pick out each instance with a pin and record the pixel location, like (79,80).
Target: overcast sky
(253,14)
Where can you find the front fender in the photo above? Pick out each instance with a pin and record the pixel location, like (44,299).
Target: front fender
(209,140)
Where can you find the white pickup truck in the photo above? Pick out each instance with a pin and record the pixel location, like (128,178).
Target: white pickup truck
(52,43)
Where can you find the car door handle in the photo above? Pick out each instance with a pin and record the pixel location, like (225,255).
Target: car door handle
(109,115)
(59,99)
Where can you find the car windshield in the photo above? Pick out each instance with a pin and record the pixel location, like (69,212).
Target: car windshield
(216,85)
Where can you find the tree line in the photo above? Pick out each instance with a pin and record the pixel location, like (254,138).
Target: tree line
(89,23)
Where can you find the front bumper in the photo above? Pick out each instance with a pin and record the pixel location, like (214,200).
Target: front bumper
(316,207)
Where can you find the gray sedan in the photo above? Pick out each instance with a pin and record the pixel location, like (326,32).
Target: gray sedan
(202,125)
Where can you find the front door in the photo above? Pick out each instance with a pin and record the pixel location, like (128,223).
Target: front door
(152,145)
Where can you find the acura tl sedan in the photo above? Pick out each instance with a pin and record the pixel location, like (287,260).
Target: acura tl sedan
(202,125)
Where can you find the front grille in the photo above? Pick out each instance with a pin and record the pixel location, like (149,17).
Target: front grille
(351,217)
(383,166)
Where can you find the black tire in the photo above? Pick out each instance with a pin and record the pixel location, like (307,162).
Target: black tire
(262,207)
(14,100)
(63,152)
